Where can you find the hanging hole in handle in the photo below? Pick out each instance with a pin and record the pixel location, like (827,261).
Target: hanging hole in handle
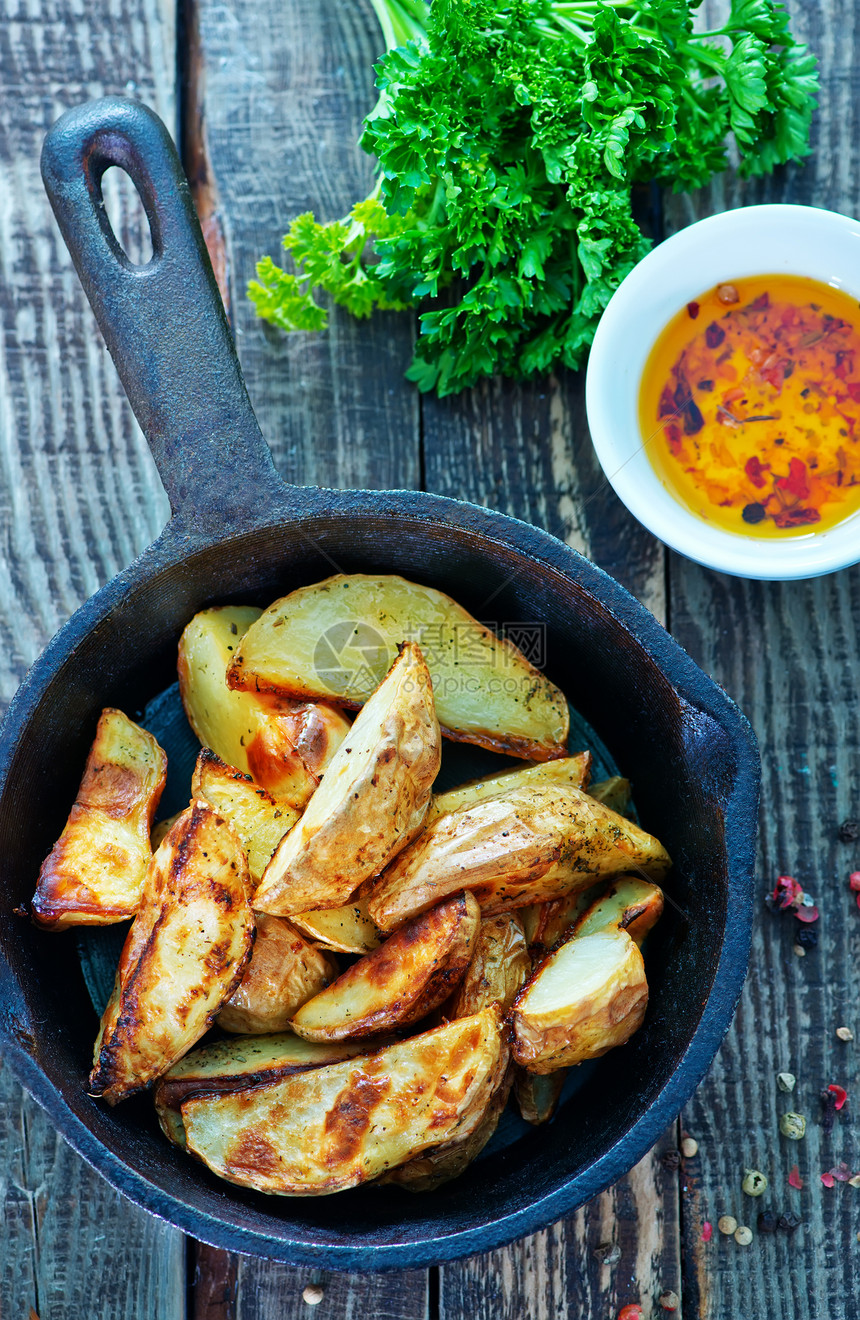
(128,219)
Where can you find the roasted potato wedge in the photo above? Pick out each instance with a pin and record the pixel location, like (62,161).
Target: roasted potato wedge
(499,968)
(95,872)
(283,972)
(537,1096)
(336,639)
(334,1127)
(184,955)
(401,981)
(257,818)
(443,1163)
(628,904)
(285,745)
(549,922)
(528,845)
(613,793)
(585,999)
(231,1065)
(569,770)
(371,803)
(347,929)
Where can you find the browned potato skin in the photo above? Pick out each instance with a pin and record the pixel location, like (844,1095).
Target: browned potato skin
(592,1027)
(401,981)
(335,1127)
(283,972)
(499,968)
(95,872)
(261,1059)
(396,608)
(372,802)
(574,770)
(259,820)
(526,846)
(284,744)
(629,904)
(441,1164)
(184,955)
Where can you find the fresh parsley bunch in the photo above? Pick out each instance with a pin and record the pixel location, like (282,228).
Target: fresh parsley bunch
(509,136)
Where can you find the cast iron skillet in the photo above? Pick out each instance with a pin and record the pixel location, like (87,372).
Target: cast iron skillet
(238,533)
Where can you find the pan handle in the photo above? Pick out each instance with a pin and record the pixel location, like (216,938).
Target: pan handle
(163,322)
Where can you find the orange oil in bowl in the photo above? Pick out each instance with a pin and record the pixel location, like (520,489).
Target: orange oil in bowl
(749,405)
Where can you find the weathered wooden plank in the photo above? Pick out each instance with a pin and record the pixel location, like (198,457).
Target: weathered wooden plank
(79,497)
(788,653)
(276,95)
(276,98)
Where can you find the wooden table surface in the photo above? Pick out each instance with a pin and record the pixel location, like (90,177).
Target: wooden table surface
(268,98)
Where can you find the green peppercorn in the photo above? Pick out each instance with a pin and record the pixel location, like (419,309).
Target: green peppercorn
(786,1081)
(793,1126)
(754,1183)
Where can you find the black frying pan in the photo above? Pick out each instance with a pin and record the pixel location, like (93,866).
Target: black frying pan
(237,533)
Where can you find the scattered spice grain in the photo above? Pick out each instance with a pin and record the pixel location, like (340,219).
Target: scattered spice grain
(754,1182)
(789,1221)
(767,1222)
(727,1224)
(670,1301)
(743,1235)
(793,1126)
(313,1294)
(671,1160)
(608,1253)
(786,1081)
(849,831)
(707,1231)
(845,1033)
(794,1179)
(689,1147)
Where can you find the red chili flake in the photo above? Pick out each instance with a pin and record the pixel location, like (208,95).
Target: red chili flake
(854,881)
(807,914)
(667,403)
(841,1172)
(796,482)
(755,470)
(673,435)
(858,900)
(840,1093)
(692,310)
(844,364)
(714,335)
(794,1178)
(853,389)
(796,517)
(707,1231)
(827,1179)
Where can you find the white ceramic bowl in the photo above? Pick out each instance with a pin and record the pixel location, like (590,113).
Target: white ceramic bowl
(754,240)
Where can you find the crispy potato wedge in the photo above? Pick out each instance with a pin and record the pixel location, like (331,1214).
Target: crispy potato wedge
(283,972)
(95,872)
(537,1096)
(285,745)
(336,639)
(371,803)
(231,1065)
(343,1124)
(613,793)
(443,1163)
(184,955)
(583,1000)
(257,818)
(569,770)
(161,829)
(499,968)
(628,904)
(550,922)
(529,845)
(401,981)
(347,929)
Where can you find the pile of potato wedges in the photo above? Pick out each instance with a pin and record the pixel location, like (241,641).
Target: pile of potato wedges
(382,965)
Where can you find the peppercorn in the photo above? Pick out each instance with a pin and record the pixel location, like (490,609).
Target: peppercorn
(786,1081)
(844,1033)
(754,1183)
(799,950)
(807,937)
(743,1236)
(849,831)
(793,1126)
(767,1222)
(753,513)
(727,1224)
(670,1301)
(671,1160)
(313,1295)
(689,1147)
(608,1253)
(789,1222)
